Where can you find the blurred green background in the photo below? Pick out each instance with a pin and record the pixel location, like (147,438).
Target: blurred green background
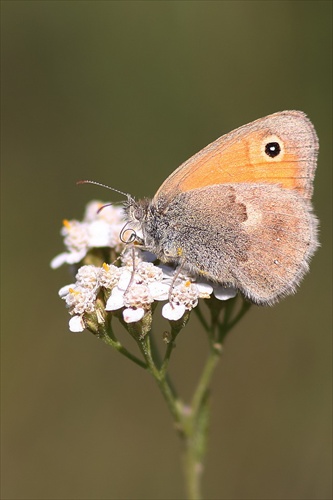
(122,93)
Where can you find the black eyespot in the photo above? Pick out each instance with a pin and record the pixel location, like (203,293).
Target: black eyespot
(272,149)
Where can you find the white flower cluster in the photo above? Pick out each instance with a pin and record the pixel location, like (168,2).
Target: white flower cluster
(133,286)
(135,291)
(98,229)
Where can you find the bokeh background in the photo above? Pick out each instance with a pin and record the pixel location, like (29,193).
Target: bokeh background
(122,93)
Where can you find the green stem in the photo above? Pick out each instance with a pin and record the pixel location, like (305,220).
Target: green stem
(245,307)
(107,335)
(206,377)
(201,318)
(193,471)
(117,345)
(196,424)
(228,324)
(155,354)
(191,421)
(196,430)
(170,347)
(169,395)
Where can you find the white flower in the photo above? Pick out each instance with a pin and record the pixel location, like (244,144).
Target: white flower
(67,258)
(110,213)
(139,256)
(183,297)
(148,273)
(100,234)
(135,292)
(88,277)
(205,289)
(173,312)
(116,300)
(109,275)
(133,315)
(64,291)
(76,240)
(97,230)
(138,295)
(131,292)
(137,300)
(104,225)
(224,293)
(80,297)
(159,290)
(124,279)
(76,324)
(80,300)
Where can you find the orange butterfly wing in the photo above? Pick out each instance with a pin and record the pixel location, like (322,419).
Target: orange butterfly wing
(240,157)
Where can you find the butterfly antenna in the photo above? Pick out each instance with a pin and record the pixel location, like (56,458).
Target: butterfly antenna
(128,196)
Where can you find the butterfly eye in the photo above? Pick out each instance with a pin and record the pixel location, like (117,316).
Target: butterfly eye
(272,149)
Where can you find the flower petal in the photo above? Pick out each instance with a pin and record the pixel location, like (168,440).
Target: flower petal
(116,300)
(159,291)
(68,258)
(133,315)
(59,260)
(224,293)
(65,290)
(76,324)
(173,312)
(204,288)
(124,279)
(99,234)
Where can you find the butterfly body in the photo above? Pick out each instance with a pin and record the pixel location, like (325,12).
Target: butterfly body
(239,213)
